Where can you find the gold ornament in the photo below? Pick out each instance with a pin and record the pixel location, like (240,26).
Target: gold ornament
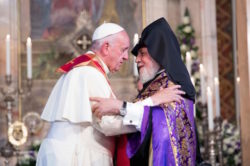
(17,133)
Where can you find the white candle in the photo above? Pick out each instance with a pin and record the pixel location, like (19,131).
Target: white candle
(193,82)
(210,109)
(29,58)
(188,62)
(202,84)
(217,96)
(135,69)
(7,41)
(238,101)
(136,39)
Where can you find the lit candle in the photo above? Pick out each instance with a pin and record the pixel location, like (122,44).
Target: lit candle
(202,84)
(238,101)
(238,80)
(136,39)
(217,96)
(193,82)
(188,62)
(29,58)
(135,69)
(210,109)
(7,41)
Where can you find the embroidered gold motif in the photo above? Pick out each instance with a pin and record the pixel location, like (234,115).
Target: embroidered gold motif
(173,141)
(180,129)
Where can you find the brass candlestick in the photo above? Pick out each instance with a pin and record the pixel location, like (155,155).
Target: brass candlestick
(205,130)
(212,149)
(7,151)
(8,79)
(17,132)
(219,139)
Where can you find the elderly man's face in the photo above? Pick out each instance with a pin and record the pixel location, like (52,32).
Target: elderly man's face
(118,51)
(146,65)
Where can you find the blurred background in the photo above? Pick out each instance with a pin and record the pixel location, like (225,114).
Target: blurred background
(38,36)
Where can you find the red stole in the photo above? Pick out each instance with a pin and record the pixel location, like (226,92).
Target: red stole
(92,60)
(83,60)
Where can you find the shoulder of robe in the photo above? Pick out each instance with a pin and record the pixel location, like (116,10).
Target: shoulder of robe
(88,72)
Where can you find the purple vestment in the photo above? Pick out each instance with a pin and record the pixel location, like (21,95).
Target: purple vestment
(172,129)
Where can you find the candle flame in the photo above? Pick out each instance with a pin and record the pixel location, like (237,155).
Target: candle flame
(136,38)
(209,90)
(201,67)
(238,79)
(28,41)
(8,37)
(216,80)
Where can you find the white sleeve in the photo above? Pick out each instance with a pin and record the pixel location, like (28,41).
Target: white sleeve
(113,125)
(108,125)
(135,113)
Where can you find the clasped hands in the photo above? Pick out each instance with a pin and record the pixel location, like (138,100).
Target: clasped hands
(111,106)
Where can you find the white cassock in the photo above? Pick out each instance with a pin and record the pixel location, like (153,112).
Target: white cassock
(76,137)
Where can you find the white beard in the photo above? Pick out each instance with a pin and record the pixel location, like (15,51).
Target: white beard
(146,75)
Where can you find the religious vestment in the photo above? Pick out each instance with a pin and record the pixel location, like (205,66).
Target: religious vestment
(76,136)
(167,136)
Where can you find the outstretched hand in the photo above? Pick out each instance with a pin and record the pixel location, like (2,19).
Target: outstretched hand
(105,106)
(168,95)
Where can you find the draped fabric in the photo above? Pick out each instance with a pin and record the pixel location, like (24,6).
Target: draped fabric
(83,60)
(90,59)
(170,128)
(72,90)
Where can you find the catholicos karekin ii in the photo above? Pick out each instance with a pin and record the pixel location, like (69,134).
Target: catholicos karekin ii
(167,136)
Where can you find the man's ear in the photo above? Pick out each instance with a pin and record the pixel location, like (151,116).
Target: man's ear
(105,48)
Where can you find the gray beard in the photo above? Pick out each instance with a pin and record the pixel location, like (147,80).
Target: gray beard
(147,75)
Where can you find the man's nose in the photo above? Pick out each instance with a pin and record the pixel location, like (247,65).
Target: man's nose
(125,56)
(138,58)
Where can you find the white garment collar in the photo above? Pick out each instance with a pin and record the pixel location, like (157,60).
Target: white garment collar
(162,70)
(105,67)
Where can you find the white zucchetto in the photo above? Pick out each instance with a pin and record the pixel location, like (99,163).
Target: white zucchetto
(105,30)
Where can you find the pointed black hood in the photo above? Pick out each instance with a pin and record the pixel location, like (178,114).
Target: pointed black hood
(164,48)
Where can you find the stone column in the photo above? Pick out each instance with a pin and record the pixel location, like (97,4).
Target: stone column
(155,10)
(209,42)
(243,52)
(169,9)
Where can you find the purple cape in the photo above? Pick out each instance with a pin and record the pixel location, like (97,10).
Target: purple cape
(170,128)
